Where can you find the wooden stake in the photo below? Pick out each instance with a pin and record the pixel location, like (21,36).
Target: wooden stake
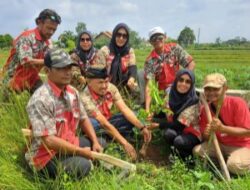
(215,140)
(99,156)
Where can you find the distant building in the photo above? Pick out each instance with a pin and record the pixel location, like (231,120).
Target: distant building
(106,34)
(102,39)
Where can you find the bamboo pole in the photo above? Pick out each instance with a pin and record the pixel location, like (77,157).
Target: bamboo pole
(99,156)
(215,140)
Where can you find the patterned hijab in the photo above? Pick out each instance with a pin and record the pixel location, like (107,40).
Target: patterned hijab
(85,55)
(177,101)
(116,67)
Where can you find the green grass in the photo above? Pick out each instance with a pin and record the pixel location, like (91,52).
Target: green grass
(3,56)
(14,173)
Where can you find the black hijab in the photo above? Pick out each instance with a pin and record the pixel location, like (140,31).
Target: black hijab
(116,67)
(85,55)
(177,101)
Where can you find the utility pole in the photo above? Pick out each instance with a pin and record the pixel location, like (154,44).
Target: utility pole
(198,37)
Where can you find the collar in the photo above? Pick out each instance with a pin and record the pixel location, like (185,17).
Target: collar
(57,91)
(39,37)
(94,95)
(167,49)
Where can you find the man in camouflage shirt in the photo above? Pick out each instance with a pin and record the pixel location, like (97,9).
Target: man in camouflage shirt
(163,62)
(55,111)
(26,56)
(98,98)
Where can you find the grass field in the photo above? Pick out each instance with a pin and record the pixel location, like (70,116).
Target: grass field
(14,174)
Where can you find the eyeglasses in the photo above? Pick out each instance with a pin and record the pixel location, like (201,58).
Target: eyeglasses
(123,35)
(156,38)
(85,39)
(187,81)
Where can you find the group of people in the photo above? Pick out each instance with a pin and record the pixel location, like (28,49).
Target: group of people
(83,86)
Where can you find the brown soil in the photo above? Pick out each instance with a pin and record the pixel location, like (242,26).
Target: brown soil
(155,155)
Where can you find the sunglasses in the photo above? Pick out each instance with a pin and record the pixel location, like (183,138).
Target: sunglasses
(85,39)
(123,35)
(156,38)
(187,81)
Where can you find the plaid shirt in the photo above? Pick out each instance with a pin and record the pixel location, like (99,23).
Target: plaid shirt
(29,45)
(96,104)
(163,67)
(52,111)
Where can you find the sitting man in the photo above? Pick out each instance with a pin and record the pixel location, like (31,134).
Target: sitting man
(98,98)
(232,128)
(55,112)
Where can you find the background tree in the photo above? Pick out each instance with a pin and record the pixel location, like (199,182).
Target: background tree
(80,27)
(66,36)
(5,40)
(186,37)
(218,41)
(134,39)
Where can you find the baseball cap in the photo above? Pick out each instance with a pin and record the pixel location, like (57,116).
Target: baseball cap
(50,14)
(155,30)
(57,58)
(215,80)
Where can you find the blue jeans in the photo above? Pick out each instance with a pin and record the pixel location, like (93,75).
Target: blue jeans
(119,122)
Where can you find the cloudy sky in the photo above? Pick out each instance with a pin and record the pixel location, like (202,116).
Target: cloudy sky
(215,18)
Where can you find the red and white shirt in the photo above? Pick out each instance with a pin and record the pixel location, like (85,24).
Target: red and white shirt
(164,67)
(235,113)
(126,61)
(52,111)
(29,45)
(96,104)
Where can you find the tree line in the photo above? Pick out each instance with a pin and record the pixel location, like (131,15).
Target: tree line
(186,38)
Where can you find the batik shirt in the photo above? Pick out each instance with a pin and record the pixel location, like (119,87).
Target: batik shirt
(190,118)
(96,104)
(126,61)
(52,111)
(29,45)
(163,67)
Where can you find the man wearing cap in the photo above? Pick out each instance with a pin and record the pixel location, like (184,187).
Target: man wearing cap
(55,111)
(232,128)
(27,54)
(163,62)
(98,98)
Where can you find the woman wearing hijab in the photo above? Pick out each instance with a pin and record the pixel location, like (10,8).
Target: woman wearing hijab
(84,56)
(120,58)
(182,128)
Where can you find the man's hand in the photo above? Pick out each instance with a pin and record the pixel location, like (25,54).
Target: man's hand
(130,151)
(153,125)
(82,80)
(131,83)
(97,147)
(207,130)
(146,135)
(216,125)
(85,152)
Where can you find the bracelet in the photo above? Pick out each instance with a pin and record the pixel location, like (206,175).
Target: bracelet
(144,126)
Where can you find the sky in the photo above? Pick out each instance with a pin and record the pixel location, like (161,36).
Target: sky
(214,18)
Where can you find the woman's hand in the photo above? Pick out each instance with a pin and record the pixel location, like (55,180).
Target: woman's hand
(132,84)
